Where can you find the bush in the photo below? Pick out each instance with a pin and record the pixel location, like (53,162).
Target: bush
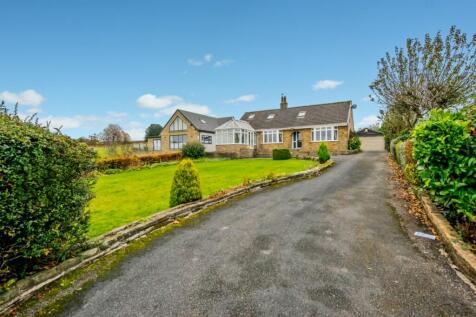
(402,137)
(193,149)
(281,154)
(186,184)
(354,143)
(445,152)
(134,160)
(323,153)
(45,181)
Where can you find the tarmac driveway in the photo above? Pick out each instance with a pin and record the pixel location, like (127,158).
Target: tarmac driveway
(328,246)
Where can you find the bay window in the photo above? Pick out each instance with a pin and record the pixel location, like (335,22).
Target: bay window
(272,136)
(327,133)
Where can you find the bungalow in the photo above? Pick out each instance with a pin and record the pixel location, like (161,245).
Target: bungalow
(184,126)
(300,129)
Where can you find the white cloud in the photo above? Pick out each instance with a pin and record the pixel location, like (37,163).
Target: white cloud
(244,98)
(368,121)
(136,133)
(202,109)
(223,62)
(157,102)
(72,122)
(117,115)
(326,84)
(27,97)
(209,59)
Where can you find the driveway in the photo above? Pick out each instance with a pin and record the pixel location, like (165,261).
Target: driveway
(328,246)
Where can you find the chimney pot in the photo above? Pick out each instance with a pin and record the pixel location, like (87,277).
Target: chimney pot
(284,103)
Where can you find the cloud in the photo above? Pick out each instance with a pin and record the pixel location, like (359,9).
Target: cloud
(368,121)
(117,115)
(27,97)
(154,102)
(168,104)
(326,84)
(244,98)
(223,62)
(136,133)
(209,59)
(72,122)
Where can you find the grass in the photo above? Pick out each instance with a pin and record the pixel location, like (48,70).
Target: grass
(135,194)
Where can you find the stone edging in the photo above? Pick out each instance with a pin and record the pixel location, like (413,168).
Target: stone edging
(464,259)
(120,237)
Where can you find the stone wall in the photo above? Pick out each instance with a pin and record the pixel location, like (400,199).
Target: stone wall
(235,150)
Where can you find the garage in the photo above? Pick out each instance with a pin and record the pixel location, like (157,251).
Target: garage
(371,140)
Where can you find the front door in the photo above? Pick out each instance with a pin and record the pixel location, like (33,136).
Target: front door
(297,142)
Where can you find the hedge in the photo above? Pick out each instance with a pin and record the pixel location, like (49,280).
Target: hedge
(45,182)
(281,154)
(445,153)
(186,184)
(354,143)
(193,149)
(136,160)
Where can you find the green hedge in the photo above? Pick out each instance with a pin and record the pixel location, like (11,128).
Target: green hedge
(45,181)
(186,184)
(445,152)
(323,153)
(193,149)
(281,154)
(354,143)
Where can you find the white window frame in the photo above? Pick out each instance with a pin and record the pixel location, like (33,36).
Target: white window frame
(272,136)
(270,116)
(329,133)
(178,125)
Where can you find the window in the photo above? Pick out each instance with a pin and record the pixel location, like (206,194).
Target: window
(272,136)
(251,116)
(207,139)
(178,125)
(325,134)
(301,114)
(156,145)
(270,116)
(177,141)
(202,121)
(235,136)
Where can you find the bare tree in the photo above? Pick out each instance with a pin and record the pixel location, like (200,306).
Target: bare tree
(113,136)
(439,73)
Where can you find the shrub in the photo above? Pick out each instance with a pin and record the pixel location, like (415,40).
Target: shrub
(323,153)
(281,154)
(400,154)
(354,143)
(134,160)
(45,181)
(402,137)
(193,149)
(445,152)
(186,184)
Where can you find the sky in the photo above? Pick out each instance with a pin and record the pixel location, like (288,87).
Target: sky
(84,64)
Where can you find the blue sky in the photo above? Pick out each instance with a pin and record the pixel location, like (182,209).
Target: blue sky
(84,64)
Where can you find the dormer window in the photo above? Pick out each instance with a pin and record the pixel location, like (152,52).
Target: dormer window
(301,114)
(270,116)
(202,121)
(251,116)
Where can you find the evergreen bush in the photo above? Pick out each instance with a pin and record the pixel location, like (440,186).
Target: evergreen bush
(323,153)
(281,154)
(193,149)
(186,184)
(45,182)
(354,143)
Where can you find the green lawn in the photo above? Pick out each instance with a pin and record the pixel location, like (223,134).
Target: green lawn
(131,195)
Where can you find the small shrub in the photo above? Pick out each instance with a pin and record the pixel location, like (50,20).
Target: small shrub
(45,182)
(186,184)
(323,153)
(400,154)
(281,154)
(445,152)
(354,143)
(411,173)
(193,150)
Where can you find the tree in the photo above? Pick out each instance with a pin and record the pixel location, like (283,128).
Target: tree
(436,74)
(186,184)
(153,131)
(113,136)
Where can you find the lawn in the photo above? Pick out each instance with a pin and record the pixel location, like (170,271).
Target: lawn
(131,195)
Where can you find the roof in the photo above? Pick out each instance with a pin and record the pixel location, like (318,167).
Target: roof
(318,114)
(368,132)
(202,122)
(235,124)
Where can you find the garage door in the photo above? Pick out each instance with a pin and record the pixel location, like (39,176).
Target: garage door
(372,143)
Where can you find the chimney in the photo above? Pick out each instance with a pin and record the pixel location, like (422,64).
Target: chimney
(284,104)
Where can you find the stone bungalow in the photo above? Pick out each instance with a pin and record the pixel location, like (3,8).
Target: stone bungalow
(184,126)
(300,129)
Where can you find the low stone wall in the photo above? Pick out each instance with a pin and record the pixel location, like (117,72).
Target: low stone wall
(120,237)
(463,258)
